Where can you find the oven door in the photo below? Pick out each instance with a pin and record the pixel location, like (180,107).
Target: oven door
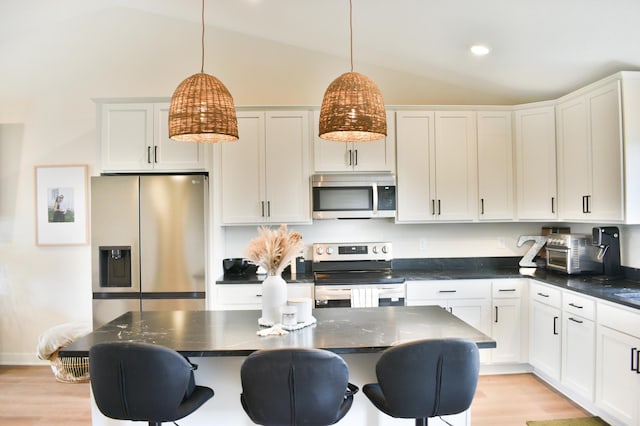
(359,296)
(558,259)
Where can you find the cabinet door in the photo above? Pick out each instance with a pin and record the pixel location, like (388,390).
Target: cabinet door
(535,163)
(170,155)
(495,166)
(330,156)
(578,355)
(126,137)
(376,156)
(505,329)
(242,172)
(415,135)
(288,193)
(607,179)
(574,159)
(474,312)
(617,384)
(455,166)
(544,338)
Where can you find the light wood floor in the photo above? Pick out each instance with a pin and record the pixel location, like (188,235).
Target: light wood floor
(30,396)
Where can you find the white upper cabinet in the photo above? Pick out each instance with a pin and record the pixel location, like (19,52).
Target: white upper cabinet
(437,166)
(134,137)
(590,156)
(495,165)
(535,145)
(374,156)
(265,175)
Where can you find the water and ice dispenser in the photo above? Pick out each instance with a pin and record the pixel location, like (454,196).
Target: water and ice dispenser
(115,266)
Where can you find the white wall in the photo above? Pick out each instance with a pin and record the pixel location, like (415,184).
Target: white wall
(50,72)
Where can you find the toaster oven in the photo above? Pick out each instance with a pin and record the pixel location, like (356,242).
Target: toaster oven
(572,254)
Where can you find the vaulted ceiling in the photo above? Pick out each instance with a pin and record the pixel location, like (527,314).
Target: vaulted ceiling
(540,49)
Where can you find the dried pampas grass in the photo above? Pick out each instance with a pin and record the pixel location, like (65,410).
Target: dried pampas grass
(274,249)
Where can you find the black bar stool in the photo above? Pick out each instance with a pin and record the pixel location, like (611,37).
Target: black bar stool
(295,386)
(425,378)
(144,382)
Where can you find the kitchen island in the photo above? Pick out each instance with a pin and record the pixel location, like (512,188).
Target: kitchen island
(218,341)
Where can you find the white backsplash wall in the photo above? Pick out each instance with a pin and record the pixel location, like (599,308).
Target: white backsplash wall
(409,241)
(430,240)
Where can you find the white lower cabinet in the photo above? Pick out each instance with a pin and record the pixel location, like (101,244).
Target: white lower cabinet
(507,322)
(469,300)
(544,332)
(578,344)
(617,369)
(249,296)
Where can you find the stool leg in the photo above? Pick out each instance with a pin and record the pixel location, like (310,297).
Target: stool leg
(422,422)
(155,424)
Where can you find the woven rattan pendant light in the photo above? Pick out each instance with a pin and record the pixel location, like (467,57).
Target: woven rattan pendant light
(202,108)
(352,108)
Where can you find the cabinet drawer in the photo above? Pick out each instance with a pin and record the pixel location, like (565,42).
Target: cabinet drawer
(575,304)
(507,289)
(240,294)
(251,294)
(449,289)
(547,295)
(621,319)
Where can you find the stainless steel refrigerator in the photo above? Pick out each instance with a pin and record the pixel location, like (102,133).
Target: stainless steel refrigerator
(148,246)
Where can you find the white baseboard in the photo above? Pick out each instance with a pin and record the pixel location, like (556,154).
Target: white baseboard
(21,359)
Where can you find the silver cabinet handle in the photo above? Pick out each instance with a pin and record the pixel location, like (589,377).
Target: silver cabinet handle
(155,154)
(355,161)
(149,155)
(351,157)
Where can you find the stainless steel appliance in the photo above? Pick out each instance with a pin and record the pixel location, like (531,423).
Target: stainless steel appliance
(572,254)
(353,196)
(356,275)
(147,243)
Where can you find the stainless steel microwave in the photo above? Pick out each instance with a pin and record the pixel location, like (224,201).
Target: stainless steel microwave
(353,196)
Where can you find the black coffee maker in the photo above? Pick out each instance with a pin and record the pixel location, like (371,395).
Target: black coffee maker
(607,239)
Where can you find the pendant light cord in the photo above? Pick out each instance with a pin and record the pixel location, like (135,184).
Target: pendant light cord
(351,32)
(202,42)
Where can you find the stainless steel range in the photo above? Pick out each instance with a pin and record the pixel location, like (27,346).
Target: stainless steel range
(356,275)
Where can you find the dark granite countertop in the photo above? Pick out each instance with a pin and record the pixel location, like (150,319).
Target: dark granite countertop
(233,333)
(494,268)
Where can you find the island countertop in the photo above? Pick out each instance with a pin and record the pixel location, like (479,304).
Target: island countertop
(233,333)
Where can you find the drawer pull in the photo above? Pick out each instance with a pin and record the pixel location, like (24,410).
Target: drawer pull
(496,321)
(575,306)
(507,289)
(634,358)
(555,326)
(575,320)
(543,295)
(258,295)
(447,291)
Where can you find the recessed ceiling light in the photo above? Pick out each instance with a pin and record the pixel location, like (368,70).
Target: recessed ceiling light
(479,50)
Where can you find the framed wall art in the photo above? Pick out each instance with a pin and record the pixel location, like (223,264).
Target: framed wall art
(61,205)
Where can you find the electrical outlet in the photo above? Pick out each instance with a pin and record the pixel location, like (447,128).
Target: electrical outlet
(422,244)
(501,243)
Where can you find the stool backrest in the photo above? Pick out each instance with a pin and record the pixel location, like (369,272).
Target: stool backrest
(139,381)
(428,378)
(295,387)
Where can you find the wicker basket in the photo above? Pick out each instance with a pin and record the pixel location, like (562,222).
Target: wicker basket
(70,369)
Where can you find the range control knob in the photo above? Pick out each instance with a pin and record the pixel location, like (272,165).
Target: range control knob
(329,250)
(319,250)
(374,250)
(385,250)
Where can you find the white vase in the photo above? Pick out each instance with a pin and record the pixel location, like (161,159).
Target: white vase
(274,297)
